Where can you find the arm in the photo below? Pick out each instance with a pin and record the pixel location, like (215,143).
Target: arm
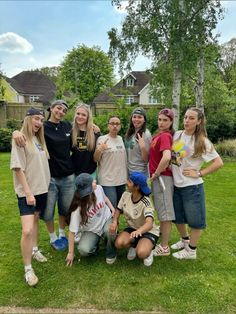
(30,200)
(99,150)
(145,228)
(142,146)
(115,221)
(109,204)
(163,164)
(194,173)
(70,255)
(19,138)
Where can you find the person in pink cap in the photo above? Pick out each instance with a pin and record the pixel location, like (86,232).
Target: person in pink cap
(161,177)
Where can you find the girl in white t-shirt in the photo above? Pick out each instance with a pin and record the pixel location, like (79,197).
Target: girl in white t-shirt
(91,214)
(31,180)
(191,148)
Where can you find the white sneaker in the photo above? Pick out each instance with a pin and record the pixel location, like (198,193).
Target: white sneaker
(186,253)
(161,251)
(39,257)
(110,260)
(31,278)
(131,253)
(181,244)
(148,260)
(77,237)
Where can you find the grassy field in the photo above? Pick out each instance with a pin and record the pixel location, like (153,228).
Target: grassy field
(205,285)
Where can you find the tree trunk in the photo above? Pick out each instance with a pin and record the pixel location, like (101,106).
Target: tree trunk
(198,89)
(176,95)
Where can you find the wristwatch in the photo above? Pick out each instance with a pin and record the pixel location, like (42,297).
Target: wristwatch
(199,174)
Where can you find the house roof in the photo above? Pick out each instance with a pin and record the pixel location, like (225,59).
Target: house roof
(141,78)
(33,83)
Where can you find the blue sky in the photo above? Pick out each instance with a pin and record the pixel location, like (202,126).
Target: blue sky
(40,33)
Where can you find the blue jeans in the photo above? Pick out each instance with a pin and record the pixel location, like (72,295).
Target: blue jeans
(89,241)
(60,192)
(189,205)
(114,193)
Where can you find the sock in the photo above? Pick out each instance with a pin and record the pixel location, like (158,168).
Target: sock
(185,238)
(192,247)
(35,249)
(53,237)
(61,233)
(28,267)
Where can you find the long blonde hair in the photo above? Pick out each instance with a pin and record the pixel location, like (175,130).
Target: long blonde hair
(27,130)
(89,137)
(200,134)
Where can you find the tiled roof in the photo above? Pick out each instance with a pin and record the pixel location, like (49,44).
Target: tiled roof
(32,83)
(142,78)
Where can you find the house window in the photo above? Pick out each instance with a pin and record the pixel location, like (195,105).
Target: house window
(152,100)
(32,98)
(129,82)
(129,100)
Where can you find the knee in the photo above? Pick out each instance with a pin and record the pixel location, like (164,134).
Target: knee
(27,232)
(120,243)
(142,253)
(83,250)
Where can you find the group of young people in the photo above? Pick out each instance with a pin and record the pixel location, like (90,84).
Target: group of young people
(55,162)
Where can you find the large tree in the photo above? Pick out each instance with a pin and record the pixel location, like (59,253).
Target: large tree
(85,72)
(172,33)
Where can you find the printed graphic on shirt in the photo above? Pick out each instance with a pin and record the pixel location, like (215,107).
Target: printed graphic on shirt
(129,144)
(81,143)
(39,147)
(95,211)
(178,152)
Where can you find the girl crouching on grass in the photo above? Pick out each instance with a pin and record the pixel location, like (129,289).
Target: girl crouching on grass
(91,214)
(31,180)
(142,234)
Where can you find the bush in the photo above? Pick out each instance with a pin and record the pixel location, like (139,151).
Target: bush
(14,124)
(5,139)
(227,148)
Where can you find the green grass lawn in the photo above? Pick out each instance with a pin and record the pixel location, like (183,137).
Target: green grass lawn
(205,285)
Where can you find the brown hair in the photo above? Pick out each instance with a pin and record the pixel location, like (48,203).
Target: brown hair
(84,203)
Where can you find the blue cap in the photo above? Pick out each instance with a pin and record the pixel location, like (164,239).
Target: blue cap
(140,179)
(34,112)
(83,184)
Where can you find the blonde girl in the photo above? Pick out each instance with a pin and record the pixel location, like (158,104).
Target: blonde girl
(31,180)
(84,141)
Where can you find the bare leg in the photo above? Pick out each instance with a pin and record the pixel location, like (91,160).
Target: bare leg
(144,248)
(62,222)
(194,236)
(182,230)
(50,226)
(165,232)
(123,240)
(35,229)
(27,223)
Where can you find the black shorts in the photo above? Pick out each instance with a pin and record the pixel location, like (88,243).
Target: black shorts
(152,237)
(25,209)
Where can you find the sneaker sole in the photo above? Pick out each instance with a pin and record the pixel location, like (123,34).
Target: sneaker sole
(193,257)
(162,254)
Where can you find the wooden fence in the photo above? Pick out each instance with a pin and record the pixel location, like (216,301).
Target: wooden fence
(15,111)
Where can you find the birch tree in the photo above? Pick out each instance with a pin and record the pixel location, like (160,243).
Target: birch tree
(166,31)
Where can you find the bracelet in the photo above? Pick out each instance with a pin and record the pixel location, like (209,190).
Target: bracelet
(28,194)
(199,174)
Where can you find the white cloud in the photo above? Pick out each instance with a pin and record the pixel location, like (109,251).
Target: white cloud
(14,43)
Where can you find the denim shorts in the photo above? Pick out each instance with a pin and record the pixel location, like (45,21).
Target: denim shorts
(147,235)
(25,209)
(60,192)
(189,205)
(114,193)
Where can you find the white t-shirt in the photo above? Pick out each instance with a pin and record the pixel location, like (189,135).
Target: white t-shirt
(112,167)
(97,216)
(182,150)
(34,163)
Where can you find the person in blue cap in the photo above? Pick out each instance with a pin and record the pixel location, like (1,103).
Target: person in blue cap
(141,234)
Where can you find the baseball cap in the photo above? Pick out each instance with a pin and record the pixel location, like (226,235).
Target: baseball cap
(34,111)
(139,110)
(167,112)
(58,102)
(83,183)
(140,179)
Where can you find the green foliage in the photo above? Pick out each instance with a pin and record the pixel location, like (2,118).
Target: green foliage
(13,124)
(5,139)
(205,285)
(85,72)
(227,148)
